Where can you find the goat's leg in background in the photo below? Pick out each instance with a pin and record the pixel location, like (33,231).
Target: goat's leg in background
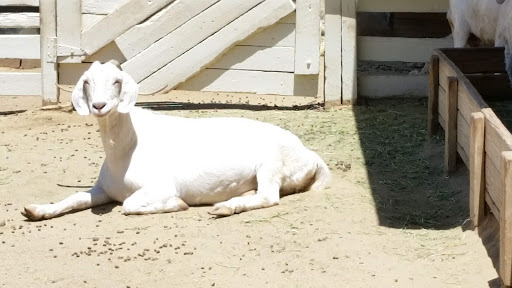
(81,200)
(154,199)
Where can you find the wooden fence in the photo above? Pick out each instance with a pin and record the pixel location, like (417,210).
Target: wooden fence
(19,48)
(245,47)
(389,48)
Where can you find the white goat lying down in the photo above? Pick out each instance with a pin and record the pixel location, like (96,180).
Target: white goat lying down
(156,163)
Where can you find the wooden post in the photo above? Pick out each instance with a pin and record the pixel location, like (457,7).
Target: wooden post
(433,98)
(506,220)
(49,71)
(332,52)
(477,168)
(69,30)
(450,147)
(349,51)
(307,37)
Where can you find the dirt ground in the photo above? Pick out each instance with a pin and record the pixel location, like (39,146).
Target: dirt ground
(391,218)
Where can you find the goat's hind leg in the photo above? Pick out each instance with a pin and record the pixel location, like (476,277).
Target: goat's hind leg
(266,196)
(152,200)
(81,200)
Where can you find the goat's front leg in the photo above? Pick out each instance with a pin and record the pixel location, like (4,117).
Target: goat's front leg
(153,199)
(81,200)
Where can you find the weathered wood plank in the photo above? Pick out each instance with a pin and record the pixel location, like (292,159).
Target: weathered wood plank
(493,181)
(497,137)
(506,220)
(141,36)
(398,49)
(188,35)
(20,46)
(477,169)
(116,23)
(243,81)
(277,35)
(463,134)
(466,103)
(307,37)
(10,63)
(69,23)
(442,122)
(349,51)
(20,83)
(189,64)
(463,155)
(442,102)
(19,20)
(494,209)
(333,71)
(402,6)
(450,156)
(49,66)
(277,59)
(33,3)
(445,71)
(102,7)
(381,86)
(433,98)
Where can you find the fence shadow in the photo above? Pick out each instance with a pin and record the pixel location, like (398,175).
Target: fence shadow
(405,170)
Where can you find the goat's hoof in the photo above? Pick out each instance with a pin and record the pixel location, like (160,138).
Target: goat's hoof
(30,214)
(222,211)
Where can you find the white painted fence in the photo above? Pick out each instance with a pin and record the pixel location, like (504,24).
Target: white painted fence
(354,48)
(19,54)
(234,46)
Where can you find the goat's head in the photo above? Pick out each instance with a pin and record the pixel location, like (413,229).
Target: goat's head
(103,88)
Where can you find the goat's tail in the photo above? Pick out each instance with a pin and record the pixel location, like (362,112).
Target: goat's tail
(322,175)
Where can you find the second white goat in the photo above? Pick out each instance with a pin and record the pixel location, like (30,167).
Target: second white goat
(156,163)
(479,17)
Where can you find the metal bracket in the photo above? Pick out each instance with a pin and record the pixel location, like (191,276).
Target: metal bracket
(63,50)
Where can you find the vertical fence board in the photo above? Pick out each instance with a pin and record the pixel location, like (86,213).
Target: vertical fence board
(307,37)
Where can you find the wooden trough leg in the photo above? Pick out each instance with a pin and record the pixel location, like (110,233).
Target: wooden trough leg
(506,221)
(450,147)
(433,98)
(476,169)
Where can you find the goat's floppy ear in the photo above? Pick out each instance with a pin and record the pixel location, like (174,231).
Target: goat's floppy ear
(128,95)
(79,98)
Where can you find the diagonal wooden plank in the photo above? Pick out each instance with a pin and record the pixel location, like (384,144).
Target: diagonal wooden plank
(197,58)
(115,24)
(142,36)
(186,36)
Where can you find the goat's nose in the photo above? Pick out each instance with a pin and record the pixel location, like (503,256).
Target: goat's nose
(99,105)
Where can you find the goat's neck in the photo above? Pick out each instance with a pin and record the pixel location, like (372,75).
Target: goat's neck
(118,136)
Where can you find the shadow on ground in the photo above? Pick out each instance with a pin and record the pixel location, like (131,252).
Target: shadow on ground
(405,170)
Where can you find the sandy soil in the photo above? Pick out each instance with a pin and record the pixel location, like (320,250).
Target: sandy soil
(381,224)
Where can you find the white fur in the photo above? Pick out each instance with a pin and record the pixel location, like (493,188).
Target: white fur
(156,163)
(504,33)
(479,17)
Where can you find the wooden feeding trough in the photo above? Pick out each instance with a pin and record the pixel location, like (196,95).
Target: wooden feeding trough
(462,84)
